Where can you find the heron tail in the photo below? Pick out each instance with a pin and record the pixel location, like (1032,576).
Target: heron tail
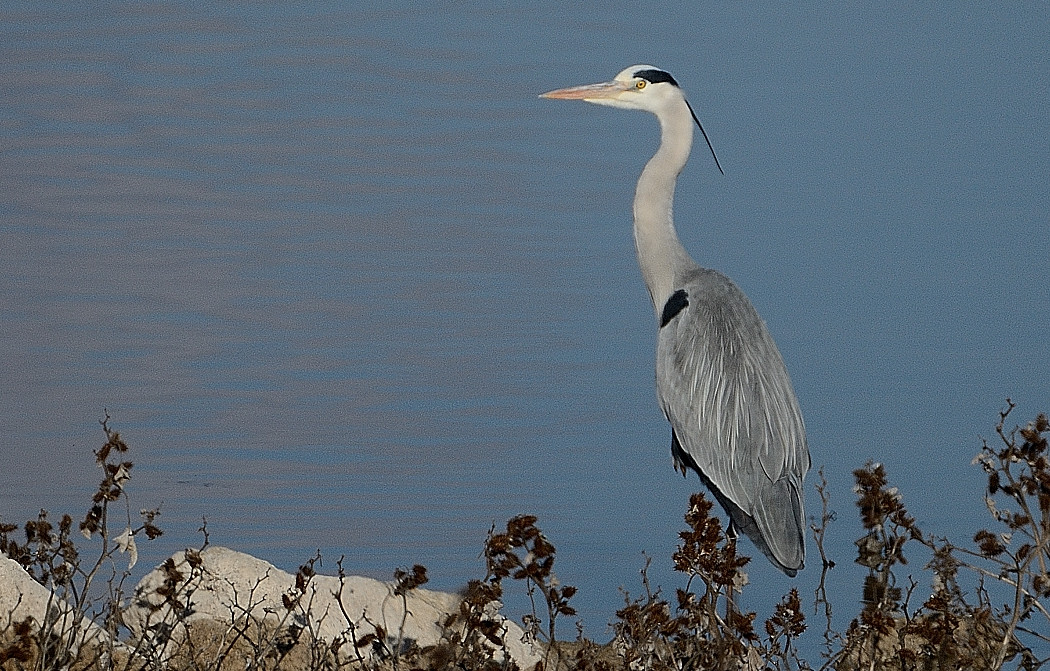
(777,522)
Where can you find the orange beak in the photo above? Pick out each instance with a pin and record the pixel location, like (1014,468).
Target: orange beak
(589,91)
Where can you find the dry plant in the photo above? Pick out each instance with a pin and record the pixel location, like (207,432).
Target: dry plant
(951,630)
(706,629)
(476,633)
(78,605)
(1019,479)
(987,607)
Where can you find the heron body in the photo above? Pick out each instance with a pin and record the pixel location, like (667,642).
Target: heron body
(720,379)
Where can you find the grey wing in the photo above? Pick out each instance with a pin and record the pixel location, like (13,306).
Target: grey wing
(724,388)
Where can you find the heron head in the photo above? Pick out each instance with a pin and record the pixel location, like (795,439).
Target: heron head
(640,87)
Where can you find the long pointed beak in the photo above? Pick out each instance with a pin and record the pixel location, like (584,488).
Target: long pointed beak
(589,91)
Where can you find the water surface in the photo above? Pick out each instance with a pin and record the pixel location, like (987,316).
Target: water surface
(345,283)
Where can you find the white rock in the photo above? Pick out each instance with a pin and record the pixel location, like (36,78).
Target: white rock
(229,584)
(22,597)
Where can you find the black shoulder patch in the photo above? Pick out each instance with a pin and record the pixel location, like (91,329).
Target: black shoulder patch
(656,77)
(675,304)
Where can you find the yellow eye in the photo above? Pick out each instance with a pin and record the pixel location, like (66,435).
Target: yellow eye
(640,84)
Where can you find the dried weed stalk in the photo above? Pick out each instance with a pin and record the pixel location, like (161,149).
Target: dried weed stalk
(958,626)
(68,635)
(706,629)
(951,629)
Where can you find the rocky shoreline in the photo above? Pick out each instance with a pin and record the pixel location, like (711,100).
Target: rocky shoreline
(231,594)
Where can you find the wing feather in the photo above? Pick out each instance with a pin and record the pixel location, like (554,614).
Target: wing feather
(724,387)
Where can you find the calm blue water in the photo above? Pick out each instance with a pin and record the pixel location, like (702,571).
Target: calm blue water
(346,284)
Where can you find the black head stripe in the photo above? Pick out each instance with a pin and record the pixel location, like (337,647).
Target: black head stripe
(656,77)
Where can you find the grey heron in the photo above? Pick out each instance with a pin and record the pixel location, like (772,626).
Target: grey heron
(720,379)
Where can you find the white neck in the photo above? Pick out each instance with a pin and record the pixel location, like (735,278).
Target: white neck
(660,254)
